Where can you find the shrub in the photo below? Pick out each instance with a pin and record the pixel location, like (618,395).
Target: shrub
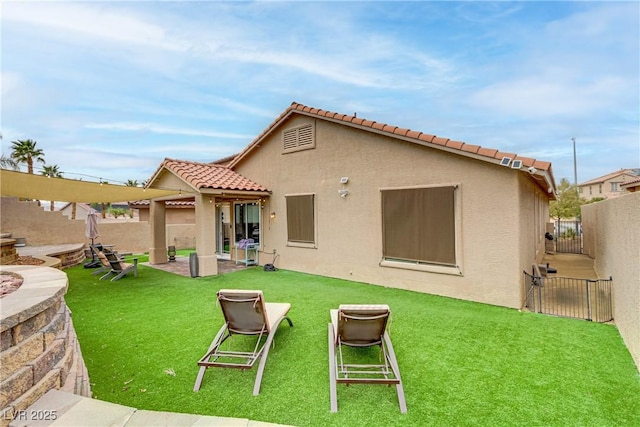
(118,212)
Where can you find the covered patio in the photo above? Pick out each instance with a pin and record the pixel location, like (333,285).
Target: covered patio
(210,186)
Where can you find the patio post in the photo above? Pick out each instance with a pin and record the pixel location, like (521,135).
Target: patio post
(158,249)
(206,234)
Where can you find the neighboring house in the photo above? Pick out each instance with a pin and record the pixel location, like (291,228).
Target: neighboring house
(631,186)
(177,212)
(82,210)
(609,185)
(344,197)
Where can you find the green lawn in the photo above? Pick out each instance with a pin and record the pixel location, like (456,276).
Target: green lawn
(462,363)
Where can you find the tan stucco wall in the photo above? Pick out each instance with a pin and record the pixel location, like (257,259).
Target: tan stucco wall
(39,227)
(534,215)
(173,215)
(182,236)
(612,236)
(349,243)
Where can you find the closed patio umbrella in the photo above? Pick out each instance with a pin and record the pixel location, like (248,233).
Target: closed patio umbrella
(92,233)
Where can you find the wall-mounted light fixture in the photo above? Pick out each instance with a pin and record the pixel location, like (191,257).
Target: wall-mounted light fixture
(210,199)
(273,215)
(343,193)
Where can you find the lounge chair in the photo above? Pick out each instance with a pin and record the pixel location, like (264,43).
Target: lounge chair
(245,313)
(362,326)
(118,267)
(104,265)
(95,262)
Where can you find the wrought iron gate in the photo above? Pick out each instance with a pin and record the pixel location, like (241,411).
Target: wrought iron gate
(568,237)
(563,296)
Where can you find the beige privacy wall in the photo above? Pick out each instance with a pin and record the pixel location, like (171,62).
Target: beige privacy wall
(40,227)
(612,237)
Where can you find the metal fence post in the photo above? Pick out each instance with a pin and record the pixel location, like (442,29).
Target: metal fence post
(589,318)
(539,290)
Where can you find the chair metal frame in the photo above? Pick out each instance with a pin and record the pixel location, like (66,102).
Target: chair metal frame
(361,326)
(252,321)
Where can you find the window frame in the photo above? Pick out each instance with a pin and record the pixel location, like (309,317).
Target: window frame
(451,269)
(299,243)
(244,233)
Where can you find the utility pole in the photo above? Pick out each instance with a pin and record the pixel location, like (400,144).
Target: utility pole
(575,165)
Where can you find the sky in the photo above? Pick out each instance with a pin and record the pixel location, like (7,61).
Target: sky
(110,89)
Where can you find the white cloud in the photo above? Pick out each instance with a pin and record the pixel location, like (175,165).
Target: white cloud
(160,129)
(542,96)
(90,20)
(211,75)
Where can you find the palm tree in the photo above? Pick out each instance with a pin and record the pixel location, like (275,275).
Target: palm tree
(25,151)
(131,183)
(51,172)
(8,163)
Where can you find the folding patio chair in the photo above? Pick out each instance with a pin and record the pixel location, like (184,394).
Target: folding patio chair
(362,326)
(118,267)
(104,265)
(245,313)
(95,262)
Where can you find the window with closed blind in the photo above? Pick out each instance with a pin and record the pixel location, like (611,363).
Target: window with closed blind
(301,220)
(419,225)
(298,138)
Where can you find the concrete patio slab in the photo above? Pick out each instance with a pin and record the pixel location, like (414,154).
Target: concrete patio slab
(143,418)
(66,409)
(577,266)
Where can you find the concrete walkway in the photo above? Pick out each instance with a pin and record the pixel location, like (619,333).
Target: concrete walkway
(181,266)
(66,409)
(577,266)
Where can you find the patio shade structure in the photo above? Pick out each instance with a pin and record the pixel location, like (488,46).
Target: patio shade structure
(31,186)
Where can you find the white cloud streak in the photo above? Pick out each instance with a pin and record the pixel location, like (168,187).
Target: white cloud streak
(213,74)
(160,129)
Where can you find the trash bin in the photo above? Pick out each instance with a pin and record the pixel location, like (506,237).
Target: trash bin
(193,264)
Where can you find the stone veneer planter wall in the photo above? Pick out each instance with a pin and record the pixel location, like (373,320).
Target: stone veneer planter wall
(39,347)
(8,253)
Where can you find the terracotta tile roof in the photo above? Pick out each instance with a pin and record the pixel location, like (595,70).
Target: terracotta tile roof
(632,183)
(482,153)
(168,203)
(208,175)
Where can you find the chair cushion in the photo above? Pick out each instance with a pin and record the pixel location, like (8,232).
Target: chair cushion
(104,260)
(367,330)
(270,312)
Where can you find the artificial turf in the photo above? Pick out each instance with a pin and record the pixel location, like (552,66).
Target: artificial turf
(462,363)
